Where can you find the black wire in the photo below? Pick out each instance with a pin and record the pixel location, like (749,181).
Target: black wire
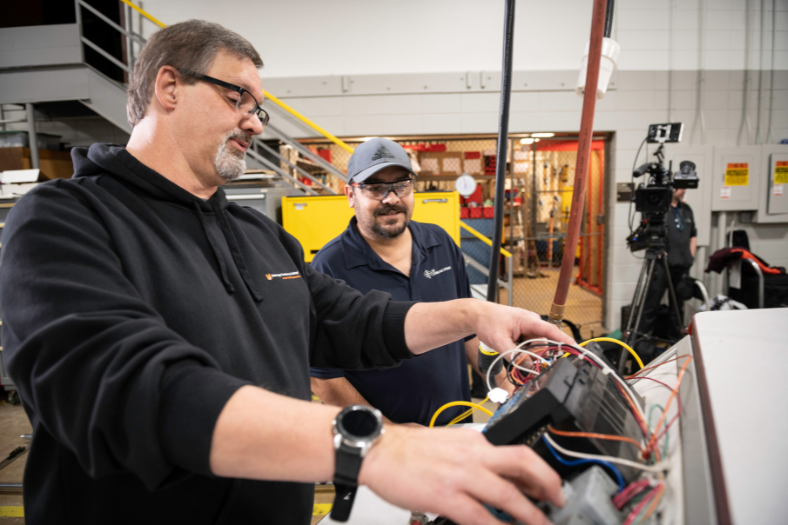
(609,18)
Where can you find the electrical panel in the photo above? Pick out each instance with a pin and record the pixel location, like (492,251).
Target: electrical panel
(737,178)
(773,202)
(698,199)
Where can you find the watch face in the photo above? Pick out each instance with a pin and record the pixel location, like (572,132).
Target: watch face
(359,423)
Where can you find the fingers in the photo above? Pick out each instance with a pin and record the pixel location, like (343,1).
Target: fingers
(528,470)
(467,511)
(501,494)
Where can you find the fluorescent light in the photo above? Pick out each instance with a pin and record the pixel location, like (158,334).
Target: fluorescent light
(543,135)
(526,141)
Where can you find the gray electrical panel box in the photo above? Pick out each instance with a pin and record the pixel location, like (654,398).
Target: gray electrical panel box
(267,201)
(773,202)
(737,178)
(699,199)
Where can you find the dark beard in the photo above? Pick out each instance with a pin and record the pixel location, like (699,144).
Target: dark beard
(388,233)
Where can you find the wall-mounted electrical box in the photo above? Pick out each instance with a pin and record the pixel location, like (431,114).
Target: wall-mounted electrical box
(773,202)
(698,199)
(737,178)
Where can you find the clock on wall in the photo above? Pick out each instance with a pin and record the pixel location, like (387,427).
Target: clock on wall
(465,185)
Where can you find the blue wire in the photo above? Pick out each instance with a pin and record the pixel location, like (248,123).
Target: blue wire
(575,462)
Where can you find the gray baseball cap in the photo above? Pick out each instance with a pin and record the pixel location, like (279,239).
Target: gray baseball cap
(374,155)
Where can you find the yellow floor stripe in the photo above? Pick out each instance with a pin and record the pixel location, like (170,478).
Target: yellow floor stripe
(12,512)
(319,509)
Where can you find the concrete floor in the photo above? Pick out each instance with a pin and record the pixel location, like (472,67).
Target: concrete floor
(582,306)
(13,423)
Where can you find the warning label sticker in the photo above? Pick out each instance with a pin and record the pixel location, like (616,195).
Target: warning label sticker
(777,190)
(725,192)
(737,174)
(781,172)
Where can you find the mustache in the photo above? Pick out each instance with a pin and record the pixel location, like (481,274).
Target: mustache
(389,208)
(240,135)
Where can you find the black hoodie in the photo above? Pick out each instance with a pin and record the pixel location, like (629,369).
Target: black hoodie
(132,311)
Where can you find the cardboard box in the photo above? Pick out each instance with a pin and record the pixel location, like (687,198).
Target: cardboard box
(53,164)
(441,163)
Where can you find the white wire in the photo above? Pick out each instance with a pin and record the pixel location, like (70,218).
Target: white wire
(657,467)
(518,350)
(608,370)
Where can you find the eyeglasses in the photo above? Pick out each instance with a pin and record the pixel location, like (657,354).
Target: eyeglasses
(380,190)
(246,104)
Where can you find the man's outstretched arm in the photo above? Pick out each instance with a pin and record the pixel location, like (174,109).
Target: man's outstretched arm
(446,471)
(430,325)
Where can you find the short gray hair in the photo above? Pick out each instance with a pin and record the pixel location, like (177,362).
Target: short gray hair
(191,45)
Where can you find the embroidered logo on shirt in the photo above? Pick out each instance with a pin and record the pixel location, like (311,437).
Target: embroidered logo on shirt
(429,274)
(289,275)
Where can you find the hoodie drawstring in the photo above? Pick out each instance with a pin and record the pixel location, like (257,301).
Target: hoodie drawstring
(216,253)
(235,251)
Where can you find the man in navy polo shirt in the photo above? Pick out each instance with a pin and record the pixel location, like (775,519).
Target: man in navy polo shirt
(382,249)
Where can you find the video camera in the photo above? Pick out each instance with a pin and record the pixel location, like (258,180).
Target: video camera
(653,197)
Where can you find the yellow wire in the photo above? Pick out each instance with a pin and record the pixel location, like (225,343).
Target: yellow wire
(454,404)
(620,343)
(464,414)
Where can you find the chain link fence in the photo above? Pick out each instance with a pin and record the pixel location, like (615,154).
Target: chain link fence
(539,183)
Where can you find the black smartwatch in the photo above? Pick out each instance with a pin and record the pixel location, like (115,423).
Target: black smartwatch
(355,430)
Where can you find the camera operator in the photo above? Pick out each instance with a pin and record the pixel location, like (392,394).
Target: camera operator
(682,242)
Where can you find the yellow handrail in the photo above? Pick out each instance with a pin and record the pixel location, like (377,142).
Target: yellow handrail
(143,13)
(483,238)
(268,95)
(308,122)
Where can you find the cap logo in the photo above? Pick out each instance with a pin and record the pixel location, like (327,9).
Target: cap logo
(382,153)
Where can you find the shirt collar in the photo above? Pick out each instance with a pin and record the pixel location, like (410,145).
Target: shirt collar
(359,253)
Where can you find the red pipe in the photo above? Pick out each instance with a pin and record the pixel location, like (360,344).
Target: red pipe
(583,157)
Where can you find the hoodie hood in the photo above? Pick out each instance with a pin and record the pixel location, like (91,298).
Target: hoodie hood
(115,161)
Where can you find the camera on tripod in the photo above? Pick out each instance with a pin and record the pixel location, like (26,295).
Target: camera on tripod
(653,197)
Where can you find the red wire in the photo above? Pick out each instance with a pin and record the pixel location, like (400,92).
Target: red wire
(632,490)
(639,507)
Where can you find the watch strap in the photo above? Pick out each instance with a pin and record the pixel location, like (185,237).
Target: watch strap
(348,465)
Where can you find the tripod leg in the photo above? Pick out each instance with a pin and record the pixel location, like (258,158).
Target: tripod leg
(673,295)
(636,298)
(641,303)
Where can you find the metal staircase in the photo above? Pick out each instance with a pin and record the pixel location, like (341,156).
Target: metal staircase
(47,64)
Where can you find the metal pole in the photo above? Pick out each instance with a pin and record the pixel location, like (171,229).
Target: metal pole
(129,43)
(79,26)
(503,146)
(510,273)
(31,135)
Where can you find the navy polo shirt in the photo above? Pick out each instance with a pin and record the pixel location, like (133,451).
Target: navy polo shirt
(413,391)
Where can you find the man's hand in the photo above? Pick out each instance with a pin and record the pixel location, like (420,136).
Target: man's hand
(452,471)
(502,327)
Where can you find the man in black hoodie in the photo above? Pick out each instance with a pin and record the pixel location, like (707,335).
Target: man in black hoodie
(160,337)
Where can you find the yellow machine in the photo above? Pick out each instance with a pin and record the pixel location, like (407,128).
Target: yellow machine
(315,220)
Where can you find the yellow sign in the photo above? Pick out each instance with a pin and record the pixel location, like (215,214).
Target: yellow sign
(781,172)
(321,509)
(737,174)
